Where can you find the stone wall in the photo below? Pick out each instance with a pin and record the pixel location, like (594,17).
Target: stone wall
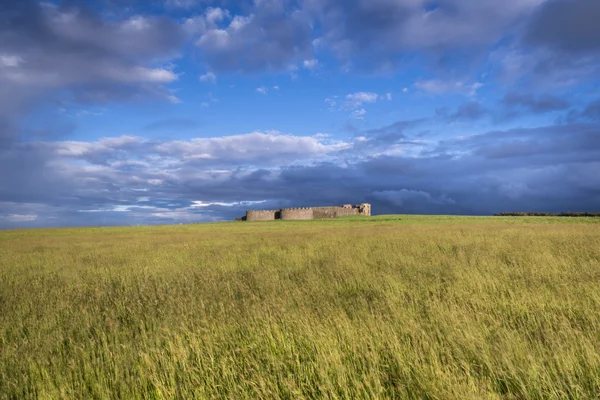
(297,213)
(309,213)
(345,211)
(262,215)
(333,212)
(324,212)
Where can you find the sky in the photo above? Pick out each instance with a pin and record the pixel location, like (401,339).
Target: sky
(127,112)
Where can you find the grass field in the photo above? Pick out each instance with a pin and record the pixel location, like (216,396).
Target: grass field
(385,307)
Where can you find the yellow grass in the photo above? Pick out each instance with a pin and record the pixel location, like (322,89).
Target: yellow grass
(389,307)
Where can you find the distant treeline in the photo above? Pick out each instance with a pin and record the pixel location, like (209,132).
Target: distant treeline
(548,214)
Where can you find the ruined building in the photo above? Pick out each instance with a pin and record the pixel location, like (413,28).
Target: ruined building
(308,213)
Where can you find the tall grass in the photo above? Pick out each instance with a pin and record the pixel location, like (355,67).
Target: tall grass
(390,307)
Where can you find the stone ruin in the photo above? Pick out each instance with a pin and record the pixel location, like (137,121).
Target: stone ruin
(305,213)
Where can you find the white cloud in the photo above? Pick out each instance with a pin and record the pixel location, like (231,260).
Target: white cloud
(79,149)
(203,204)
(215,14)
(216,38)
(173,99)
(355,100)
(209,77)
(261,90)
(359,114)
(194,25)
(156,75)
(440,87)
(141,74)
(331,103)
(276,87)
(310,64)
(354,103)
(182,3)
(19,217)
(10,60)
(239,21)
(257,147)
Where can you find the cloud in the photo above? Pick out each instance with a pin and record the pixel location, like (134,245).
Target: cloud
(537,105)
(382,33)
(271,37)
(592,111)
(310,64)
(359,113)
(10,60)
(442,87)
(182,3)
(589,113)
(557,47)
(549,168)
(209,77)
(469,111)
(389,139)
(60,54)
(401,198)
(19,217)
(52,50)
(256,148)
(355,100)
(567,26)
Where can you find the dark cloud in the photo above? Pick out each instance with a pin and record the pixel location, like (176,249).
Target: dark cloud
(8,132)
(589,113)
(129,180)
(469,111)
(47,49)
(396,133)
(383,33)
(592,111)
(559,46)
(88,55)
(566,25)
(374,34)
(537,105)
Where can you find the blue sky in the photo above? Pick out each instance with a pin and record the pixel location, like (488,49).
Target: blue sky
(125,112)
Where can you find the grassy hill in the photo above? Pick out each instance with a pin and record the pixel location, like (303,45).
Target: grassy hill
(385,307)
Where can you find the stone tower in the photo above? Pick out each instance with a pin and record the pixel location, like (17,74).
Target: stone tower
(365,209)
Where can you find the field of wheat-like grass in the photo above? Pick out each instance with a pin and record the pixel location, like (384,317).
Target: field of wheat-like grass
(404,307)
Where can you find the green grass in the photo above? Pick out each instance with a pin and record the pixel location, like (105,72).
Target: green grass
(406,307)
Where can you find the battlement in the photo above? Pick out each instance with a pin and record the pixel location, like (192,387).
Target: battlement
(305,213)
